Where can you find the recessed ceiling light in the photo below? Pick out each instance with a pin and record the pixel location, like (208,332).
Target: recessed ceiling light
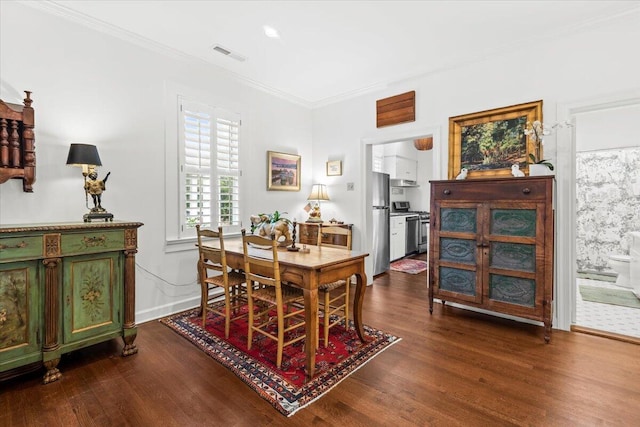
(271,32)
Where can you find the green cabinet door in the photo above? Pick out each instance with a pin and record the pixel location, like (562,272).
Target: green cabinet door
(457,258)
(20,308)
(91,298)
(513,272)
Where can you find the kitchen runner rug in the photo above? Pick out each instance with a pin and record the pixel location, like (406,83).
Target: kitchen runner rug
(609,296)
(285,388)
(408,265)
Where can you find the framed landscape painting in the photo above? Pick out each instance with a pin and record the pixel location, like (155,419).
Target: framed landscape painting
(489,142)
(283,171)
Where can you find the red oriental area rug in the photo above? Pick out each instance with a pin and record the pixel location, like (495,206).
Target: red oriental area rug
(408,265)
(285,388)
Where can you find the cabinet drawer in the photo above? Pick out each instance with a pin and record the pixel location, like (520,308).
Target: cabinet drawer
(20,248)
(308,234)
(517,189)
(92,242)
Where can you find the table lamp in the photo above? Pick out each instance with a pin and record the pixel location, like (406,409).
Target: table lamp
(86,156)
(318,193)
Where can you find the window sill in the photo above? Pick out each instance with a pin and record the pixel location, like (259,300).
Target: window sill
(189,243)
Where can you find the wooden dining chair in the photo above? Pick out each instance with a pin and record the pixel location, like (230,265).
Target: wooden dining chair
(333,298)
(262,268)
(213,272)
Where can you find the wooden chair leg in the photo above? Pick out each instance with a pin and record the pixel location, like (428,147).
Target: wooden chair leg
(204,296)
(327,320)
(280,336)
(346,306)
(227,312)
(250,323)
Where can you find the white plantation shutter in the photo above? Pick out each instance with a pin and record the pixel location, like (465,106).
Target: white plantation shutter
(228,171)
(209,169)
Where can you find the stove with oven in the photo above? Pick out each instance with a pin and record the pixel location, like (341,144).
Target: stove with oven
(417,226)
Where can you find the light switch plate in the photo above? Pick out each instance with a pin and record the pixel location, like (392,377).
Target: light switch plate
(349,186)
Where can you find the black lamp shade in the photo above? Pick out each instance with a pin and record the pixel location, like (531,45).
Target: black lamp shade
(83,154)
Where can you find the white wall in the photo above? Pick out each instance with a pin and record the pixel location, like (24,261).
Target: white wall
(92,87)
(585,63)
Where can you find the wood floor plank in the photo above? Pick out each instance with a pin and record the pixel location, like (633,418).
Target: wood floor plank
(452,368)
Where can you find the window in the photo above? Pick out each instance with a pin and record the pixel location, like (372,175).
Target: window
(209,168)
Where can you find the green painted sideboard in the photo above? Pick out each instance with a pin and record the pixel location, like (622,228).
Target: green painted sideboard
(492,245)
(63,287)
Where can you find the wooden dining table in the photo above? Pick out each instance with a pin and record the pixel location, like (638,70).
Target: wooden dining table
(307,271)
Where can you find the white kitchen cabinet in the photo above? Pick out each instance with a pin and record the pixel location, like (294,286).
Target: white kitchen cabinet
(399,167)
(397,238)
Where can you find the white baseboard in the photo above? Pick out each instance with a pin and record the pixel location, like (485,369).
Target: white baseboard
(166,310)
(172,308)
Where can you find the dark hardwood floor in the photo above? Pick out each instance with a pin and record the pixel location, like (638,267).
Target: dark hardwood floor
(454,367)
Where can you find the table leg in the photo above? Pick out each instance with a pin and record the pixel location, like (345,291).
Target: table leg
(361,286)
(311,329)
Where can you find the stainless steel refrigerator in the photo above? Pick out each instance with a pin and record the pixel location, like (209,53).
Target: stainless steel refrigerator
(380,214)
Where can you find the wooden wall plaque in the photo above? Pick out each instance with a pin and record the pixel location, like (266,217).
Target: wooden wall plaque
(396,109)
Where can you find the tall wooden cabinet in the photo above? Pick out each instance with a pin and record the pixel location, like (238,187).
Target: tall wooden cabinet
(64,287)
(492,245)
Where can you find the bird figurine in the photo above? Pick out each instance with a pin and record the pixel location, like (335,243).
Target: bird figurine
(515,170)
(462,174)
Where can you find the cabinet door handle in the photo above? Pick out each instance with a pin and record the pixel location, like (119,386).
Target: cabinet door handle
(447,192)
(526,190)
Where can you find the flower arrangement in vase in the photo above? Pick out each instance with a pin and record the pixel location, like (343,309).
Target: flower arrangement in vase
(537,165)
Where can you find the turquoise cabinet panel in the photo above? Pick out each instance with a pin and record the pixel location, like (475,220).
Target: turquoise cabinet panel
(513,222)
(461,220)
(457,280)
(513,256)
(512,290)
(458,250)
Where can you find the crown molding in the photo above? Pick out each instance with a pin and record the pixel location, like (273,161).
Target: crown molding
(54,8)
(51,7)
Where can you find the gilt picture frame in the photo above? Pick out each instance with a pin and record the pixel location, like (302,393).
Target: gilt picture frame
(334,168)
(283,171)
(488,143)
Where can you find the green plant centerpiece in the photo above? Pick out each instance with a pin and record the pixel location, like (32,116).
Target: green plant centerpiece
(273,224)
(536,132)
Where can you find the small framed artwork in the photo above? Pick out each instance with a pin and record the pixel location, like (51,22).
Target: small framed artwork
(489,142)
(334,168)
(283,171)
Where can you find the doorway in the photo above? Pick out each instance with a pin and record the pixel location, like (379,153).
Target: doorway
(607,201)
(367,152)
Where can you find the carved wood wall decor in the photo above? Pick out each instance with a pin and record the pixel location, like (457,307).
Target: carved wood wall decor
(396,109)
(17,143)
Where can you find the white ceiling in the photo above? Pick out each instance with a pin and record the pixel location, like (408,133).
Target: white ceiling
(332,50)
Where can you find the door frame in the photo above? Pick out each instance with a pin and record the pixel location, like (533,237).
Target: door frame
(366,158)
(565,280)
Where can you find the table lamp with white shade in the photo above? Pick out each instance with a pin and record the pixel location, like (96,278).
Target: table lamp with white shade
(318,193)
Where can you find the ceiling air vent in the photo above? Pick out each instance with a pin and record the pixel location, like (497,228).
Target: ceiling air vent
(229,53)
